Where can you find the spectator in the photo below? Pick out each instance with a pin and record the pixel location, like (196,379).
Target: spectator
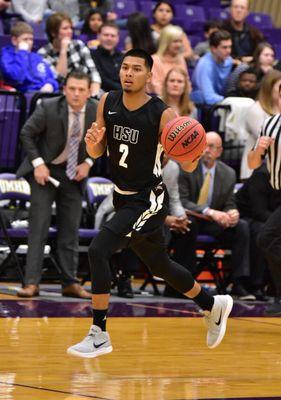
(210,190)
(90,28)
(32,11)
(21,67)
(65,54)
(245,37)
(107,58)
(53,140)
(256,201)
(68,7)
(176,92)
(267,104)
(140,34)
(4,5)
(209,27)
(212,70)
(167,56)
(247,85)
(163,13)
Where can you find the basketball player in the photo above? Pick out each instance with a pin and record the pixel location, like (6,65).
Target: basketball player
(129,125)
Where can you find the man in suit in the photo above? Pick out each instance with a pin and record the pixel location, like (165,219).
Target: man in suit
(53,140)
(210,190)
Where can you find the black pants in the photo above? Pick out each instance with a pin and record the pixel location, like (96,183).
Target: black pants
(269,240)
(138,224)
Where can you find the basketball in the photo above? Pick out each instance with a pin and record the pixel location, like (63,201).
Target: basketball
(183,139)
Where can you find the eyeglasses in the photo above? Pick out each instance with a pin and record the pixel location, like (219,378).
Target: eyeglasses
(213,147)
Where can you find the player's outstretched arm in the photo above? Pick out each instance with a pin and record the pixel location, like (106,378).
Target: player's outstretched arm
(95,137)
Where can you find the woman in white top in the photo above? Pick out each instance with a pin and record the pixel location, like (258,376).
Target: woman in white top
(266,105)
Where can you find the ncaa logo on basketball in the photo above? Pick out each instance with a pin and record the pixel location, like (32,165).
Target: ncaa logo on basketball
(190,139)
(178,129)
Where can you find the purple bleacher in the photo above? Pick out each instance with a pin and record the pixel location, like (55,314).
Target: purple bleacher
(217,13)
(38,43)
(122,36)
(260,20)
(123,8)
(194,39)
(97,189)
(277,48)
(39,31)
(147,7)
(12,115)
(1,27)
(5,40)
(272,35)
(191,18)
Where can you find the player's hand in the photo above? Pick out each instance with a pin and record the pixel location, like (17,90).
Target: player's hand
(264,142)
(82,171)
(41,174)
(94,135)
(178,224)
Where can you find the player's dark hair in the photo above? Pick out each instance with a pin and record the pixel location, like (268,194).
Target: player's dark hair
(78,74)
(218,36)
(140,53)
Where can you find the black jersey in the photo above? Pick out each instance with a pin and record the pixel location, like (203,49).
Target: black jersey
(133,142)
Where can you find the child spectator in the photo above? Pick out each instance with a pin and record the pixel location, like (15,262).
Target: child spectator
(21,67)
(90,28)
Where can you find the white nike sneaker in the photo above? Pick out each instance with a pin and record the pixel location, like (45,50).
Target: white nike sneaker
(95,344)
(216,319)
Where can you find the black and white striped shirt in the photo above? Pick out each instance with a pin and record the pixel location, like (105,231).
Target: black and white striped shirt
(272,128)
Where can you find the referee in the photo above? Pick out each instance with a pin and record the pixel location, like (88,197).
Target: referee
(269,240)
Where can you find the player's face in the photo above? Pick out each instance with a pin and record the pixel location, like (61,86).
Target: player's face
(65,30)
(77,92)
(134,75)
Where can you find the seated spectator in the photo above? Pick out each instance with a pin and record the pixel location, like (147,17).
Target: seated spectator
(90,29)
(176,92)
(4,6)
(209,190)
(212,70)
(21,67)
(245,37)
(167,57)
(263,62)
(32,11)
(267,104)
(107,58)
(140,34)
(68,7)
(163,13)
(256,201)
(209,27)
(247,85)
(65,54)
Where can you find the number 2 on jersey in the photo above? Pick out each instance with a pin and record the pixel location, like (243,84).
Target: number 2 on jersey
(124,149)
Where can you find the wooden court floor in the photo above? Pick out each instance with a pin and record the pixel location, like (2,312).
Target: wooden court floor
(153,359)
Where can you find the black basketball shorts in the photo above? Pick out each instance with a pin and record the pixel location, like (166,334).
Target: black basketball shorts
(143,212)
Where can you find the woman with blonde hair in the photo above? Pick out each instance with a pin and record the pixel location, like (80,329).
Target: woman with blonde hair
(267,104)
(168,56)
(176,91)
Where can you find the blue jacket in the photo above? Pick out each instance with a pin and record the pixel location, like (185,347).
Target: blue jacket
(24,70)
(209,79)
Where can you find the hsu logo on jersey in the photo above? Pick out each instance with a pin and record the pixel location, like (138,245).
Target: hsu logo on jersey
(126,134)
